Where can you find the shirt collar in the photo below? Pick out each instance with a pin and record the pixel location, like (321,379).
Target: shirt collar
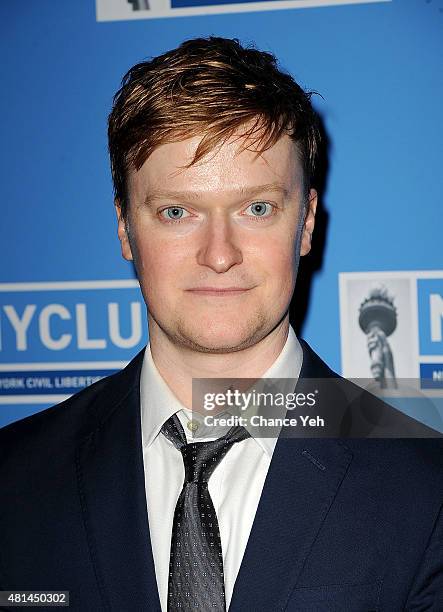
(158,403)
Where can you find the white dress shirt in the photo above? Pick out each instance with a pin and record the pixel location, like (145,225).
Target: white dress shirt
(235,485)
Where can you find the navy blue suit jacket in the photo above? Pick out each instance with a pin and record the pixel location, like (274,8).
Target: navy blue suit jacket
(342,525)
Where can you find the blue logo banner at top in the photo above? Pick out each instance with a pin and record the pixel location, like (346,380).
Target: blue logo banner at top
(188,3)
(150,9)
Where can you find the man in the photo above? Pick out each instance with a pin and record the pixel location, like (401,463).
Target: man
(109,496)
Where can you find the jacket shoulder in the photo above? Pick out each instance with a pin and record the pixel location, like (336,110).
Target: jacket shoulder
(362,414)
(76,416)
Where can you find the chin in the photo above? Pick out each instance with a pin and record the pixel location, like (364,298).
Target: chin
(220,338)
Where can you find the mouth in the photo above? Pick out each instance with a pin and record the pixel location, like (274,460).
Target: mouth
(219,291)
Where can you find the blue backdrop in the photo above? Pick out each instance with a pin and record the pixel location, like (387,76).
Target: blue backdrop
(377,66)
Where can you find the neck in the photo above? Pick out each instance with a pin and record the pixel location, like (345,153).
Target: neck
(178,364)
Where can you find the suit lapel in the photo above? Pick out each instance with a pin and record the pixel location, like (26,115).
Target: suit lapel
(302,481)
(112,495)
(295,500)
(300,486)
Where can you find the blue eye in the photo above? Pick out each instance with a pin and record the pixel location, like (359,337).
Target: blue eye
(260,209)
(173,213)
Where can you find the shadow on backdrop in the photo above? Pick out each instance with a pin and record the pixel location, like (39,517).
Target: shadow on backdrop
(313,262)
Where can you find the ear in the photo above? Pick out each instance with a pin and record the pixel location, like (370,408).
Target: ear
(308,226)
(122,232)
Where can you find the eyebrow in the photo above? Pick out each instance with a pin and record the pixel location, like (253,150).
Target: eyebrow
(244,192)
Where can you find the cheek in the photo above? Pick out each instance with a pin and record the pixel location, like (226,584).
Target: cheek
(281,271)
(278,255)
(160,266)
(155,254)
(285,270)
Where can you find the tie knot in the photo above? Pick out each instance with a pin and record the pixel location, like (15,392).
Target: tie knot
(201,458)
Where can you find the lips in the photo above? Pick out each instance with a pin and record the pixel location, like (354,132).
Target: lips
(219,291)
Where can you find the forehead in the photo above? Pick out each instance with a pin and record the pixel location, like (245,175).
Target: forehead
(226,168)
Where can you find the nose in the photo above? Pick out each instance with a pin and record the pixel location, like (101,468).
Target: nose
(218,250)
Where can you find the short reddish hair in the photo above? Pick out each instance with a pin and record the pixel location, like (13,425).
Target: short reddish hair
(209,86)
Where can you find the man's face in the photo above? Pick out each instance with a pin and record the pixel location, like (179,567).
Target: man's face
(216,245)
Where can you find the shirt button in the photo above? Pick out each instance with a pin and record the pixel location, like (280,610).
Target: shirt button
(192,425)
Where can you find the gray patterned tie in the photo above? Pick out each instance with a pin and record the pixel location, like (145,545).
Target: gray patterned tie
(196,579)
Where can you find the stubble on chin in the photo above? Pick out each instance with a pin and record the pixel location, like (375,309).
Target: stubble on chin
(211,341)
